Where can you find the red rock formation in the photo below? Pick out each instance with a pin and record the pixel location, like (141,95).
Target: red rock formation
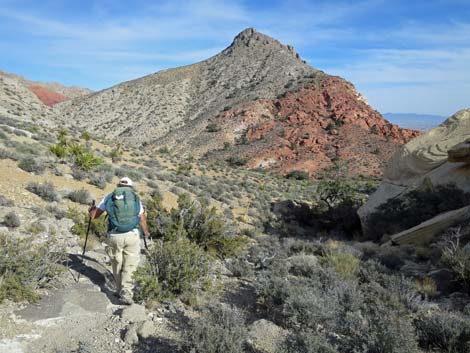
(311,128)
(47,96)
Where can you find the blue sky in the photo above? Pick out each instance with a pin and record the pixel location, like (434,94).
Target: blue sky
(404,56)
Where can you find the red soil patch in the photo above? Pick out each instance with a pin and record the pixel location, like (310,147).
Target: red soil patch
(47,96)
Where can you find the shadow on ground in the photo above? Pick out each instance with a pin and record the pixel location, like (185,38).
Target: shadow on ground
(95,271)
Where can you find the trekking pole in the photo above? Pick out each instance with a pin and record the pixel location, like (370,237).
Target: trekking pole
(145,243)
(86,238)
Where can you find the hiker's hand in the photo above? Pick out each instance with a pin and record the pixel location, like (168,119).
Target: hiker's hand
(92,208)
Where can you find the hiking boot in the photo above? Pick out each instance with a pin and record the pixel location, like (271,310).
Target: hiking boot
(126,297)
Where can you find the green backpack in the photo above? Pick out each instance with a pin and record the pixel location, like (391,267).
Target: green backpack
(123,209)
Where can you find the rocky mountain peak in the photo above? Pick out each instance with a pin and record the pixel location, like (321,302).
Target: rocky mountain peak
(251,38)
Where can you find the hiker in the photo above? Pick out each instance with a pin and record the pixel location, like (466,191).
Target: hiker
(125,214)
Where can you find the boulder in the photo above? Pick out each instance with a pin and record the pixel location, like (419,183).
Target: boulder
(460,153)
(425,232)
(266,337)
(437,157)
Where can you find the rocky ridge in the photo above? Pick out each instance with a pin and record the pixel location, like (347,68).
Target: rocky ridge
(438,157)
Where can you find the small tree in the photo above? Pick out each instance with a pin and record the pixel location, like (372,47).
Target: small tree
(336,188)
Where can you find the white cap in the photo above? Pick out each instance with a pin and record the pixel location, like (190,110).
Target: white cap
(126,181)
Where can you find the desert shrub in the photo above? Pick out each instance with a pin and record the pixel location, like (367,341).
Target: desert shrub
(236,161)
(5,202)
(81,196)
(415,207)
(56,212)
(172,268)
(448,332)
(45,191)
(336,189)
(79,155)
(36,228)
(12,220)
(59,151)
(98,226)
(369,313)
(455,256)
(212,127)
(85,159)
(85,136)
(298,175)
(31,164)
(98,180)
(7,154)
(197,222)
(116,154)
(306,342)
(25,268)
(218,329)
(128,171)
(79,174)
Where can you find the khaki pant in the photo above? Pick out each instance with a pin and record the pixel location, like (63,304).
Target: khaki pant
(124,251)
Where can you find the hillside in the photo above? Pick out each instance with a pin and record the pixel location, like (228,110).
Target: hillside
(49,93)
(257,86)
(256,272)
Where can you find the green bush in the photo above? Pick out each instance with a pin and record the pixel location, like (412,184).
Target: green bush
(31,164)
(195,221)
(172,268)
(212,127)
(414,207)
(46,191)
(12,220)
(367,313)
(218,329)
(236,161)
(25,268)
(98,226)
(455,256)
(306,342)
(336,189)
(344,263)
(81,196)
(444,331)
(298,175)
(59,151)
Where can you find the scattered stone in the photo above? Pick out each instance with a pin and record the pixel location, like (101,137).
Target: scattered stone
(131,335)
(134,313)
(146,329)
(265,336)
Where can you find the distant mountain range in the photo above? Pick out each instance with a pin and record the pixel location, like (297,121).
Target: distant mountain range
(413,121)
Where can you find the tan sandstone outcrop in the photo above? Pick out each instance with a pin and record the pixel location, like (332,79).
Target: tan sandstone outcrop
(438,157)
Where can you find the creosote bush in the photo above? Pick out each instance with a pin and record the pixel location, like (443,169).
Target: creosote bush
(46,191)
(199,223)
(81,196)
(25,268)
(219,329)
(327,312)
(31,164)
(12,220)
(173,267)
